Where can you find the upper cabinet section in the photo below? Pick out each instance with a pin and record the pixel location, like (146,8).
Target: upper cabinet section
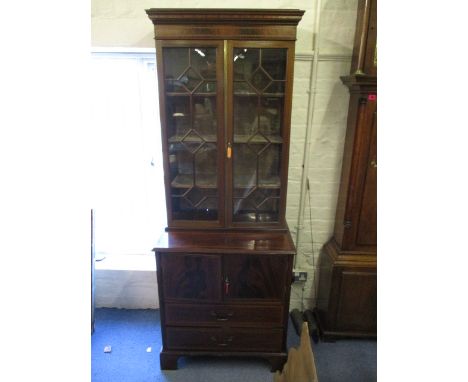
(225,87)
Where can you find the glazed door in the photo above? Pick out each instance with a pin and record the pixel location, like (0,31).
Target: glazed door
(255,277)
(259,97)
(192,118)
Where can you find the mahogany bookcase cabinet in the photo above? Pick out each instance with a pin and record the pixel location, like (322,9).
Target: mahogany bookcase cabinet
(224,264)
(347,293)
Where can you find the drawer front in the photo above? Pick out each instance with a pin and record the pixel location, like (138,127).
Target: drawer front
(219,315)
(217,339)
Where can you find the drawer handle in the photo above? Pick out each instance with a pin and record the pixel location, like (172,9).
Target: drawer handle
(226,342)
(222,317)
(226,285)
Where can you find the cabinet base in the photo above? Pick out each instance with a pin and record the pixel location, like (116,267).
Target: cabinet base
(327,335)
(168,358)
(347,294)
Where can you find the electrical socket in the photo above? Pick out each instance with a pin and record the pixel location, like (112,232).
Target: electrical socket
(299,276)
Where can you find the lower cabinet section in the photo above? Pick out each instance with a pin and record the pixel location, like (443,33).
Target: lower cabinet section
(225,303)
(220,339)
(347,295)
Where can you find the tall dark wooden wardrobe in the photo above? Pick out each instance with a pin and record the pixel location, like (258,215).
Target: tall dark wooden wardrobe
(347,293)
(224,266)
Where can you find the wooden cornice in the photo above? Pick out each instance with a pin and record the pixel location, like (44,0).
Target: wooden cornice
(224,16)
(360,83)
(350,258)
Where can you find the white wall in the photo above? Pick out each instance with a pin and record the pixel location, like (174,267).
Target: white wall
(117,23)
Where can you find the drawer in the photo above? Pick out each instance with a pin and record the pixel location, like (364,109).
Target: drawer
(224,315)
(218,339)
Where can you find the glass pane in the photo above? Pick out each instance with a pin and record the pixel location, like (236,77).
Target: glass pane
(203,61)
(178,116)
(192,126)
(176,62)
(274,63)
(243,88)
(245,166)
(205,166)
(271,116)
(245,63)
(259,85)
(276,88)
(245,116)
(269,166)
(205,118)
(191,79)
(208,87)
(195,203)
(180,166)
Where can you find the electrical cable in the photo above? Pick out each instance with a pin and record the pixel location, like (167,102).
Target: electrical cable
(308,314)
(312,242)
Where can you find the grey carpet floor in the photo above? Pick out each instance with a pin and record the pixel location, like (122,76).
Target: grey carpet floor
(131,332)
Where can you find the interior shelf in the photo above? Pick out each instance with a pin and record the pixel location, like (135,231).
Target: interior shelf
(253,94)
(202,181)
(245,181)
(257,138)
(209,181)
(210,138)
(174,94)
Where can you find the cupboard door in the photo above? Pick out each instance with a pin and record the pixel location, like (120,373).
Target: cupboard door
(357,300)
(252,277)
(258,132)
(193,136)
(191,277)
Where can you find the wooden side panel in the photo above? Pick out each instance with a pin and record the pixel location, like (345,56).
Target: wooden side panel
(325,279)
